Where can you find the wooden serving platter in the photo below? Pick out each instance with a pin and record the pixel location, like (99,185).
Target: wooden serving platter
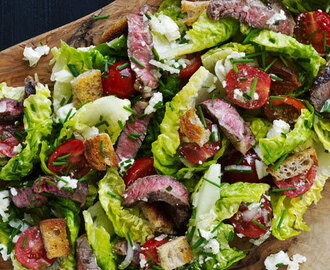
(86,31)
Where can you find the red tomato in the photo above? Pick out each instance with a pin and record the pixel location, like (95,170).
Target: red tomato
(248,159)
(188,71)
(302,183)
(33,254)
(310,28)
(141,168)
(246,220)
(288,109)
(238,87)
(150,247)
(7,139)
(78,167)
(119,82)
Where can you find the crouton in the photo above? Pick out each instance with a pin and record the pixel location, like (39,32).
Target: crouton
(192,127)
(54,236)
(99,152)
(158,219)
(295,164)
(87,87)
(175,253)
(193,10)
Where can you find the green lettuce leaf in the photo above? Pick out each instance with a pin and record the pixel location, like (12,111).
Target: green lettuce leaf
(258,126)
(273,148)
(124,220)
(38,126)
(322,129)
(164,149)
(16,93)
(205,33)
(99,231)
(298,6)
(116,48)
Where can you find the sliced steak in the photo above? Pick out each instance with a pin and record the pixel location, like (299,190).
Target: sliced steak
(78,195)
(269,14)
(10,110)
(120,248)
(127,148)
(139,44)
(86,259)
(320,90)
(25,197)
(30,87)
(231,123)
(162,188)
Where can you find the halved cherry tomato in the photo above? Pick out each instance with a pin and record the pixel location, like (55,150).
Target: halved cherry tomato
(119,81)
(140,168)
(188,71)
(8,140)
(302,183)
(150,247)
(284,108)
(253,222)
(30,250)
(238,87)
(74,165)
(310,28)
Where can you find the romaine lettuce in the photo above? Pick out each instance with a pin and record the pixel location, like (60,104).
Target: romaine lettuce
(297,6)
(259,126)
(16,93)
(322,129)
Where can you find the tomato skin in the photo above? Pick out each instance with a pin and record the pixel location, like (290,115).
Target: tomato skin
(33,255)
(79,166)
(309,22)
(262,89)
(140,168)
(119,82)
(303,182)
(151,246)
(188,71)
(242,219)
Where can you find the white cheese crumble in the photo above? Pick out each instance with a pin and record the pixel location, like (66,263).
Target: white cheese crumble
(63,112)
(124,165)
(143,261)
(3,251)
(279,127)
(260,240)
(282,258)
(85,49)
(277,17)
(216,132)
(164,25)
(156,97)
(212,246)
(238,95)
(261,169)
(13,191)
(3,107)
(34,55)
(160,237)
(4,205)
(166,67)
(17,149)
(71,183)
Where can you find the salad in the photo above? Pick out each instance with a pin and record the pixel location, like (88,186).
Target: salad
(207,122)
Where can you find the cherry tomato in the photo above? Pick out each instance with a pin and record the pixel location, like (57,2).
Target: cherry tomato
(238,87)
(150,247)
(285,108)
(188,71)
(8,140)
(75,163)
(119,81)
(310,28)
(254,221)
(30,250)
(141,168)
(249,159)
(302,183)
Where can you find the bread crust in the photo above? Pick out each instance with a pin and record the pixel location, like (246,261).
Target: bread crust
(193,9)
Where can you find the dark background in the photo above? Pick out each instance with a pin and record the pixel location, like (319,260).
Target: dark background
(23,19)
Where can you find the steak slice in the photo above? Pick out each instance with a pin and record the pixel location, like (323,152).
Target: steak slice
(25,198)
(269,14)
(231,123)
(320,90)
(86,259)
(121,247)
(162,188)
(10,110)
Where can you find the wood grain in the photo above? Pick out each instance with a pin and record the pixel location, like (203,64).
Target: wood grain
(86,31)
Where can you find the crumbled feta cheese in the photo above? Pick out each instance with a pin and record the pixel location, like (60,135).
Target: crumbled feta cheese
(207,234)
(282,258)
(261,169)
(238,95)
(213,246)
(166,67)
(124,165)
(3,107)
(34,55)
(261,239)
(156,97)
(279,127)
(216,132)
(85,49)
(4,205)
(240,235)
(143,260)
(3,251)
(13,191)
(71,183)
(277,17)
(17,149)
(164,25)
(160,237)
(63,75)
(63,112)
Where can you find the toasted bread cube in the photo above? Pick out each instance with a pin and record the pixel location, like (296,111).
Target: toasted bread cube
(99,152)
(158,219)
(55,237)
(175,253)
(87,87)
(193,9)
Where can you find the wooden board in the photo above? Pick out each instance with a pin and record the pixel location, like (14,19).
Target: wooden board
(86,31)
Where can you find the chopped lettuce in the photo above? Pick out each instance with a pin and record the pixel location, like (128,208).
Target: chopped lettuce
(16,93)
(297,6)
(38,126)
(322,129)
(165,148)
(115,48)
(275,147)
(99,231)
(258,126)
(124,220)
